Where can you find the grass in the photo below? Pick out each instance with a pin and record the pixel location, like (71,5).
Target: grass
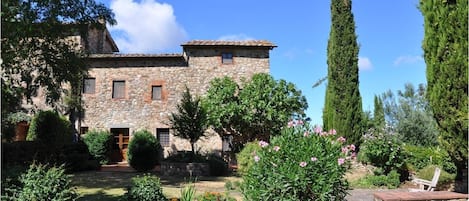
(107,186)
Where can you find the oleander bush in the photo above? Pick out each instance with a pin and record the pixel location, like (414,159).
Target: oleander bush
(145,188)
(301,163)
(99,145)
(48,127)
(144,151)
(245,158)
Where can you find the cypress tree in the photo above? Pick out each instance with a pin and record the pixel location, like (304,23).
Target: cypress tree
(446,56)
(343,105)
(378,115)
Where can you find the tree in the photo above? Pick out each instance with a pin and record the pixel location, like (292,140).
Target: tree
(190,121)
(409,116)
(378,115)
(343,106)
(446,55)
(37,53)
(259,110)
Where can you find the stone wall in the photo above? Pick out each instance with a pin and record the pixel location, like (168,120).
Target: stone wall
(173,72)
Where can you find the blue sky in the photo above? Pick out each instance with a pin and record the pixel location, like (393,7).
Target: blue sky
(389,33)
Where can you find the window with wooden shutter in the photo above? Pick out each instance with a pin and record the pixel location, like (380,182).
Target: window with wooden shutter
(118,89)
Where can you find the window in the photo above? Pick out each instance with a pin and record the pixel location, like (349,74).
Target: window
(89,85)
(118,89)
(227,58)
(156,92)
(162,134)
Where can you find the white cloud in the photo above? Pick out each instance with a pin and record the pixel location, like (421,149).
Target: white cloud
(146,26)
(407,60)
(364,63)
(234,37)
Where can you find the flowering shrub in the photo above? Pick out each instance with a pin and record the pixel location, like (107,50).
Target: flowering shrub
(302,163)
(246,156)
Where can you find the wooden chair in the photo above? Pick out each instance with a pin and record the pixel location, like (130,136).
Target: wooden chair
(425,185)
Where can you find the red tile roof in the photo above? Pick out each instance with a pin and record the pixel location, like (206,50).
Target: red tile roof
(250,43)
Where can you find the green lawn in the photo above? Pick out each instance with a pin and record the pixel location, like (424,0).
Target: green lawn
(106,186)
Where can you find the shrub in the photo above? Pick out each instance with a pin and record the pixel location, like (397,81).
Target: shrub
(218,166)
(245,158)
(420,157)
(144,151)
(427,174)
(384,151)
(99,144)
(185,157)
(299,164)
(145,188)
(215,196)
(43,183)
(48,127)
(391,180)
(188,192)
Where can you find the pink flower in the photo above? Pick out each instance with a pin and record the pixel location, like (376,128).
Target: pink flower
(306,134)
(314,159)
(318,129)
(263,144)
(303,164)
(291,124)
(341,161)
(344,150)
(276,148)
(341,139)
(256,158)
(352,147)
(332,132)
(299,122)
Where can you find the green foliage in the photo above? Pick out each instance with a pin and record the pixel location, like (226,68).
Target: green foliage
(48,127)
(428,172)
(299,164)
(383,151)
(409,116)
(145,188)
(190,121)
(188,192)
(245,158)
(378,115)
(445,48)
(391,181)
(41,182)
(214,196)
(99,145)
(421,157)
(144,151)
(256,112)
(185,157)
(343,104)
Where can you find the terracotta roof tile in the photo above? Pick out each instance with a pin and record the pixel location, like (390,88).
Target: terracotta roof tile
(134,55)
(252,43)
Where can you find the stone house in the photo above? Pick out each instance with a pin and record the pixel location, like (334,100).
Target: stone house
(128,92)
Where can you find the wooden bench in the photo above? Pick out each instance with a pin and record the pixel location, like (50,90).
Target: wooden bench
(409,196)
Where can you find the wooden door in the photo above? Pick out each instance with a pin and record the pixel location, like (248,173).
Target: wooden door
(121,143)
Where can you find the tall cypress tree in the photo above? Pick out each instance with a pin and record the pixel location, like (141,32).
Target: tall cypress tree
(343,105)
(378,115)
(446,55)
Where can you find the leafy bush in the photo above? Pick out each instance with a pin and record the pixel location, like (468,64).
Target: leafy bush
(215,196)
(384,151)
(99,144)
(48,127)
(245,158)
(144,151)
(185,157)
(427,174)
(41,182)
(145,188)
(218,166)
(391,180)
(300,164)
(420,157)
